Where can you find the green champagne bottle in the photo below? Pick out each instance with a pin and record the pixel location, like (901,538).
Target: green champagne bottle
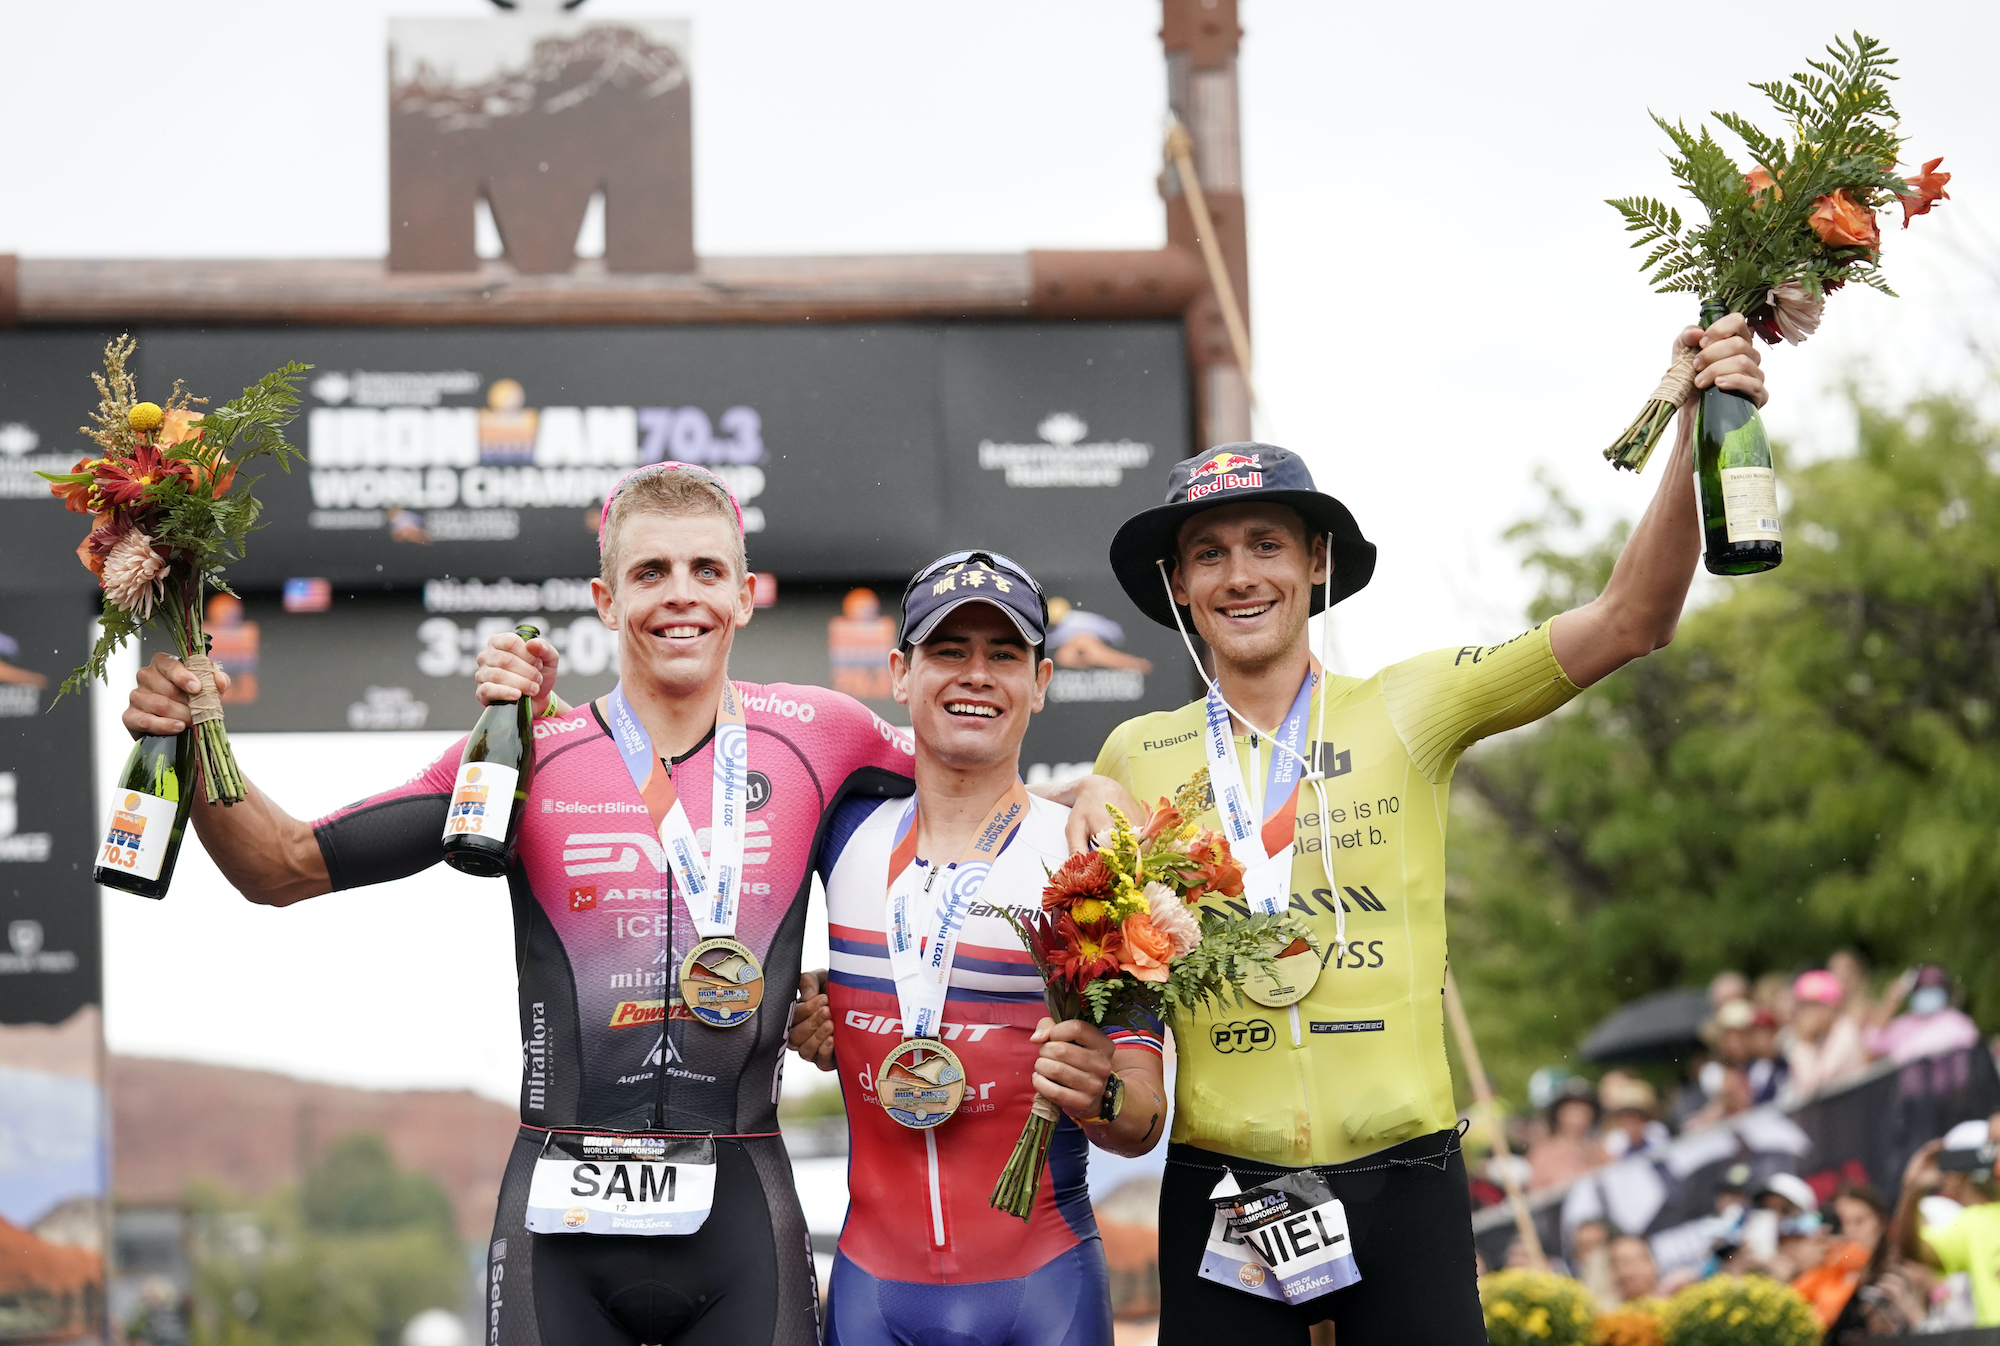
(149,813)
(1739,487)
(483,822)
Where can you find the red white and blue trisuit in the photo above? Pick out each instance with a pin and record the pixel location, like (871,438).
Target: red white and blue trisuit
(923,1259)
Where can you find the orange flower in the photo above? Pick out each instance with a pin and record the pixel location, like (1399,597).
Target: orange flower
(1083,875)
(1216,870)
(1929,185)
(1163,818)
(75,495)
(1842,222)
(1757,182)
(177,425)
(1146,950)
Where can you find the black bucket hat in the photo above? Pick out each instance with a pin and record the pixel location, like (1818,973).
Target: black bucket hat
(1231,474)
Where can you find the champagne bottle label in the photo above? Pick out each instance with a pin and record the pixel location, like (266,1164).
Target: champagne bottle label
(481,801)
(1750,504)
(137,837)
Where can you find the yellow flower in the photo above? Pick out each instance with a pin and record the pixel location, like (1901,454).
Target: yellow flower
(145,416)
(1089,911)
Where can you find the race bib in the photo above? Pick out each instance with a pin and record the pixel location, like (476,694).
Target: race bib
(1285,1239)
(585,1184)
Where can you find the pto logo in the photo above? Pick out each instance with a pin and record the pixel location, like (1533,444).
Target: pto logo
(1225,472)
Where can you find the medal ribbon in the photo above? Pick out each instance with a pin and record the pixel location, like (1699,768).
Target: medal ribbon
(710,888)
(1264,842)
(924,922)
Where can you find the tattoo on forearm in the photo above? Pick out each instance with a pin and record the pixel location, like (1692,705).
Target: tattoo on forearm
(1149,1128)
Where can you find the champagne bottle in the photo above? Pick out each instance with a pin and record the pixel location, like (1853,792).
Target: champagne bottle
(1739,488)
(149,813)
(491,792)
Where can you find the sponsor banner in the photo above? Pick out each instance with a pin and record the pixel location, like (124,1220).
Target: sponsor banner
(487,451)
(53,1163)
(49,965)
(374,661)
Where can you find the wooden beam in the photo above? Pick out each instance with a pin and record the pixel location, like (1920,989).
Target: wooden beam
(1081,285)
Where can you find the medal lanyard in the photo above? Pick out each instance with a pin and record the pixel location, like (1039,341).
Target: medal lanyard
(924,922)
(1244,828)
(710,890)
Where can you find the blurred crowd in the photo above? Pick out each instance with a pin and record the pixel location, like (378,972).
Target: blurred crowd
(1928,1260)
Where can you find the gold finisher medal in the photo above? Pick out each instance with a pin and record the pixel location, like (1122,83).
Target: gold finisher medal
(722,983)
(1298,967)
(920,1083)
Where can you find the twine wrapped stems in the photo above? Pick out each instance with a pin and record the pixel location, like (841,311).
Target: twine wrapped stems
(1631,449)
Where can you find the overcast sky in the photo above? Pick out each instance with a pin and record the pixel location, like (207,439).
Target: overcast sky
(1442,305)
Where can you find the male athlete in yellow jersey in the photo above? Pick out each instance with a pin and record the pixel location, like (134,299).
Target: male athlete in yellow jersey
(1342,1067)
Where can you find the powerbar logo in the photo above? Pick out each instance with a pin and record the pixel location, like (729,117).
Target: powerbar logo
(634,1013)
(638,1013)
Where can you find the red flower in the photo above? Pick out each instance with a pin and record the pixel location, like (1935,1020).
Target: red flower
(1082,875)
(1842,222)
(1929,190)
(97,545)
(122,482)
(1082,954)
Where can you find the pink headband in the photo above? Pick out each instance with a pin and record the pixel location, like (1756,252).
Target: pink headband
(667,466)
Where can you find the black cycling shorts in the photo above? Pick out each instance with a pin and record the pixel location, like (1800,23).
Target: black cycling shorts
(743,1279)
(1410,1215)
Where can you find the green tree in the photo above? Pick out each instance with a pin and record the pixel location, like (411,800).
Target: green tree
(1813,763)
(346,1259)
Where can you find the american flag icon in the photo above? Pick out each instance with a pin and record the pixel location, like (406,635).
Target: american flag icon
(308,595)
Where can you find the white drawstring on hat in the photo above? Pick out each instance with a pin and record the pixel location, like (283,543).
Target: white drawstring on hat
(1313,775)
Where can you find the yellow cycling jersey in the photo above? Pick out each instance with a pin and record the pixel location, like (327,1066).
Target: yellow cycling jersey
(1359,1064)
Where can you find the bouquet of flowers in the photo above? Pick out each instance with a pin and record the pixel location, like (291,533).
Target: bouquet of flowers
(1798,226)
(1119,936)
(167,514)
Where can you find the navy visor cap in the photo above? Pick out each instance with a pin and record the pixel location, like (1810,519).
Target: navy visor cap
(950,582)
(1234,474)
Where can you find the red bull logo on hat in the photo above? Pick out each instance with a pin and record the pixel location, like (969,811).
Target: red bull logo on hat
(1225,472)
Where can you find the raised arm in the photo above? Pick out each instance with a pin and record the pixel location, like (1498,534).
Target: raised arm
(1641,606)
(266,854)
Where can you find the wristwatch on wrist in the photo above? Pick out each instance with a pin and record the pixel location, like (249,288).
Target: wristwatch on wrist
(1112,1102)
